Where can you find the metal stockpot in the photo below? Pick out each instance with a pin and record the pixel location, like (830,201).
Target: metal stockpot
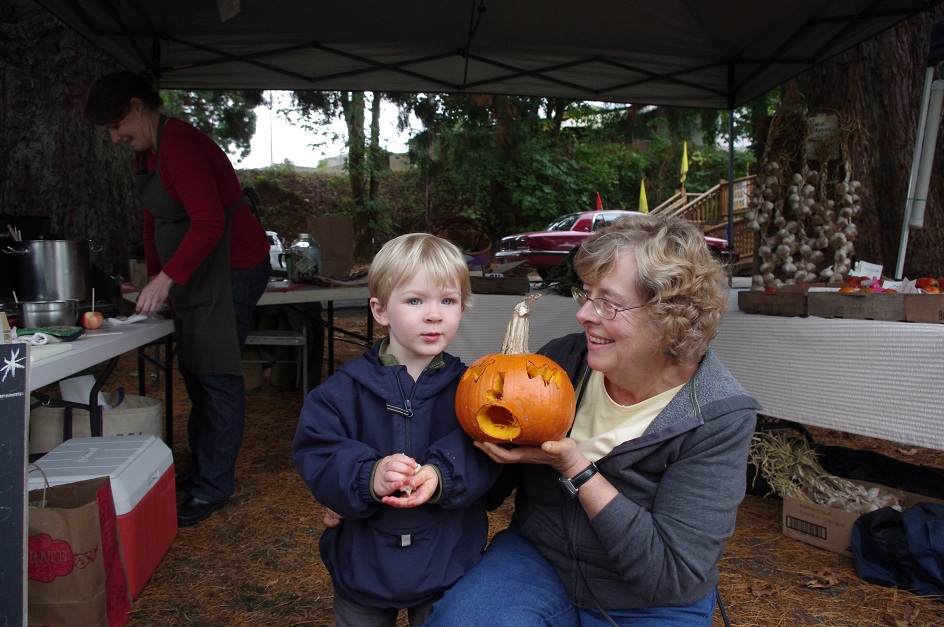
(52,269)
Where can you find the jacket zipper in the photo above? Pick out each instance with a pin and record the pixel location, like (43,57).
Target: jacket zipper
(406,410)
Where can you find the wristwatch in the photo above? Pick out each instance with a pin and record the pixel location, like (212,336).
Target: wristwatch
(570,485)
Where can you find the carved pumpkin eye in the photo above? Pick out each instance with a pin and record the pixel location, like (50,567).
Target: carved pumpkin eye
(516,397)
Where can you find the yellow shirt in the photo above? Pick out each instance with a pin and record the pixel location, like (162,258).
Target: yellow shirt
(602,424)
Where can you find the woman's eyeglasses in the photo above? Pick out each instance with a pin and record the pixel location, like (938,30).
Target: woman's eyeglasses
(604,308)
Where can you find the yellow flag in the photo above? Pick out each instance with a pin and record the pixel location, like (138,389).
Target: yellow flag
(643,203)
(684,162)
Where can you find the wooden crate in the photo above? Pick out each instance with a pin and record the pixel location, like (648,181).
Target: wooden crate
(773,303)
(857,305)
(924,308)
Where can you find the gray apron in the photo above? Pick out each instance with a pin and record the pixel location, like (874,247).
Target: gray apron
(207,343)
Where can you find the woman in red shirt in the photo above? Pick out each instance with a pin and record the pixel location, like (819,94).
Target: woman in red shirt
(208,256)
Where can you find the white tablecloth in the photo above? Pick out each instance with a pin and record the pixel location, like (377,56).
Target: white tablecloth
(483,325)
(873,378)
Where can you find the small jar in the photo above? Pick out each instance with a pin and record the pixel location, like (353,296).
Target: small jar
(305,259)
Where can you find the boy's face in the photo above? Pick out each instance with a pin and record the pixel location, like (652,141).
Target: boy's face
(422,318)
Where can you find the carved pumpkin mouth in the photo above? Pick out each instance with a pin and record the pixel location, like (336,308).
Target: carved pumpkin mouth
(497,422)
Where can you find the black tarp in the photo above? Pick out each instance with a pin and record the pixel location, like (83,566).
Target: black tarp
(692,53)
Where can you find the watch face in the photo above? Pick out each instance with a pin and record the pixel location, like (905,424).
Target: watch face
(572,484)
(567,484)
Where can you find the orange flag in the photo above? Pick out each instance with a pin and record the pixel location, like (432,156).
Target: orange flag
(599,202)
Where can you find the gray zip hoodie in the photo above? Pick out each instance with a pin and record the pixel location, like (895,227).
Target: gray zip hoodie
(659,542)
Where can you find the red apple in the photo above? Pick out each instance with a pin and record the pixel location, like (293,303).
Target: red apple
(92,320)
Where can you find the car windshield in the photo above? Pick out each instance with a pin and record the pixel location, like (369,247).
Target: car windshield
(565,223)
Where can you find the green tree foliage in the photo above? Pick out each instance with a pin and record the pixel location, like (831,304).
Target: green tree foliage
(366,162)
(508,164)
(226,116)
(512,164)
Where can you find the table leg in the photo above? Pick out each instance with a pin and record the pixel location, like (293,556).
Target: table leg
(169,391)
(96,412)
(330,337)
(167,368)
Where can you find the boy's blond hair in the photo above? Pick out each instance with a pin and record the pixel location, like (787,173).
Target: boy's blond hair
(401,258)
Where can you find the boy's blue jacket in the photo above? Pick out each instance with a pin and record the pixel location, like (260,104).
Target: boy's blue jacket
(366,411)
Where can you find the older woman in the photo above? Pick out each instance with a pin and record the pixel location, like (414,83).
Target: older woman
(624,521)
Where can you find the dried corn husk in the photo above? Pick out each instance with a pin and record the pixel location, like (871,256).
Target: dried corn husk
(792,469)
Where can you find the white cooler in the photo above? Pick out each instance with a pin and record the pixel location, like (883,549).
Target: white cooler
(141,469)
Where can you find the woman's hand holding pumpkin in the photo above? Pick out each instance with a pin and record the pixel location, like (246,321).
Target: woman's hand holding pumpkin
(562,455)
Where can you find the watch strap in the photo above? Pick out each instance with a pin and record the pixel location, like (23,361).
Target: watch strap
(571,485)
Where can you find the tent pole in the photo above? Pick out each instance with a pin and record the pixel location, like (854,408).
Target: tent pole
(922,180)
(730,169)
(915,159)
(731,192)
(935,57)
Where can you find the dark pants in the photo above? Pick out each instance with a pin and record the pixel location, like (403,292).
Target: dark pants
(215,425)
(350,614)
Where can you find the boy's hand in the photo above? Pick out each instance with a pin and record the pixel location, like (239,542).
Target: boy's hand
(393,473)
(421,487)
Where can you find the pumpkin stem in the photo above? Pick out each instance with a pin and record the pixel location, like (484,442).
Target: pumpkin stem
(519,328)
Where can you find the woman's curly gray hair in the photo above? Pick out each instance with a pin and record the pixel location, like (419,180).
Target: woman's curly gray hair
(683,287)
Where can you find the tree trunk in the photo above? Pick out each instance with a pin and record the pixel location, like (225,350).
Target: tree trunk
(376,154)
(880,84)
(352,104)
(55,164)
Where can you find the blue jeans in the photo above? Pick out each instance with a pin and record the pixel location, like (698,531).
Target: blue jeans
(515,586)
(218,402)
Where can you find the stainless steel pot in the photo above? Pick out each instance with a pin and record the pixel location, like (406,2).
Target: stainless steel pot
(52,269)
(56,313)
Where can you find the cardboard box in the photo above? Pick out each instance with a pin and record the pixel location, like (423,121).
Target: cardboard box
(781,303)
(137,271)
(857,305)
(831,528)
(141,469)
(924,308)
(335,234)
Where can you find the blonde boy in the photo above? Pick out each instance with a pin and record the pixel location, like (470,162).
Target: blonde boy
(378,443)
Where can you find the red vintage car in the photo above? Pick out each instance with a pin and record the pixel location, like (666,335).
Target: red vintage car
(543,250)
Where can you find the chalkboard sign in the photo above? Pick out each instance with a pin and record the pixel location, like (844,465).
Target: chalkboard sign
(14,405)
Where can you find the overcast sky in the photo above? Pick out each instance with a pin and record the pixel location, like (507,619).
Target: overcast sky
(276,139)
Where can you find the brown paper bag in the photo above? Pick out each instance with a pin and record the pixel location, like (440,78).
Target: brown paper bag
(76,574)
(336,236)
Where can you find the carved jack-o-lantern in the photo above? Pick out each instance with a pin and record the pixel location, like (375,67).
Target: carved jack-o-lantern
(516,396)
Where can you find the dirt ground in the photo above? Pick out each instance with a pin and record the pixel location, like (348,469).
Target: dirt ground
(256,562)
